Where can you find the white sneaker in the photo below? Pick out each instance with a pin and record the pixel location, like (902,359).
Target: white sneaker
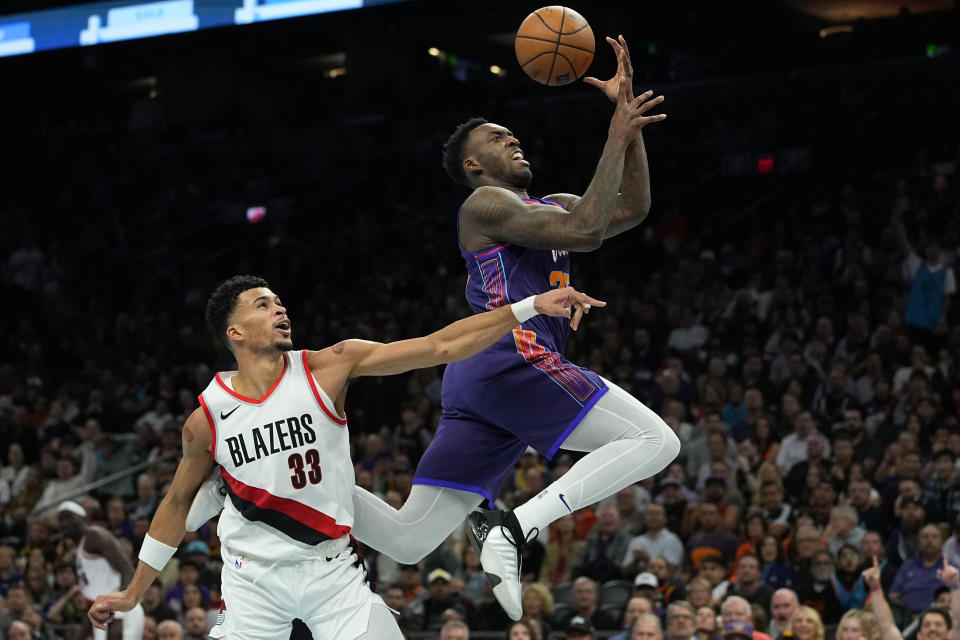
(498,540)
(208,502)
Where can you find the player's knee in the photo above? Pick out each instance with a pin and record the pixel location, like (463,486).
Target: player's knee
(412,550)
(671,443)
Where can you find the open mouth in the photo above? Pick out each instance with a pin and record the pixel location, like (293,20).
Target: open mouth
(518,157)
(283,327)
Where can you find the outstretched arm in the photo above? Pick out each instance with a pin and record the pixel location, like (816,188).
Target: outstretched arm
(881,610)
(167,526)
(494,214)
(633,203)
(457,341)
(951,577)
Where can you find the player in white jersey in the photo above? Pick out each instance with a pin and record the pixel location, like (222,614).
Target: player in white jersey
(277,430)
(102,565)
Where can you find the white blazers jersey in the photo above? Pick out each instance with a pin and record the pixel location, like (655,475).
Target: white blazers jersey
(95,575)
(285,459)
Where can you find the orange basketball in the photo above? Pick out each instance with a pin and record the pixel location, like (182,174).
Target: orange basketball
(554,45)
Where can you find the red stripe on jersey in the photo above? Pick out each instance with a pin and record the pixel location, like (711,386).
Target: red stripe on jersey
(488,252)
(213,427)
(254,400)
(316,520)
(316,394)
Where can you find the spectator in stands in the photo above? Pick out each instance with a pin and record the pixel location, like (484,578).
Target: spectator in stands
(714,570)
(69,479)
(843,529)
(636,607)
(561,552)
(918,577)
(942,491)
(657,541)
(777,572)
(783,603)
(522,630)
(707,626)
(154,604)
(537,604)
(189,574)
(749,583)
(9,573)
(869,516)
(798,474)
(669,588)
(700,593)
(169,630)
(18,605)
(681,621)
(195,624)
(820,594)
(18,630)
(854,625)
(646,627)
(604,548)
(586,606)
(847,581)
(793,448)
(904,543)
(777,512)
(580,628)
(736,609)
(438,598)
(805,624)
(873,547)
(632,503)
(147,499)
(709,538)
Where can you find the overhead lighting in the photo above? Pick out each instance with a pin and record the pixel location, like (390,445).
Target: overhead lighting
(497,71)
(433,51)
(336,72)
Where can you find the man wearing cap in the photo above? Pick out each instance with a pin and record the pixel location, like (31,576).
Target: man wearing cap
(102,566)
(656,542)
(580,628)
(439,597)
(738,631)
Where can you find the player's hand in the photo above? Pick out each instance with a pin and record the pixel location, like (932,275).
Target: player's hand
(872,575)
(559,303)
(611,87)
(949,574)
(102,610)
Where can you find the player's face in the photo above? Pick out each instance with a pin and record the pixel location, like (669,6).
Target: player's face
(493,149)
(260,321)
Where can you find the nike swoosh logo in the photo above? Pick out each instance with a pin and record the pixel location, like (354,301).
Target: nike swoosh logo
(224,416)
(565,503)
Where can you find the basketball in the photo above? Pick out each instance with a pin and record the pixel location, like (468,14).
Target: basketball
(554,45)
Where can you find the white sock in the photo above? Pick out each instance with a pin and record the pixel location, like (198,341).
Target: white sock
(627,442)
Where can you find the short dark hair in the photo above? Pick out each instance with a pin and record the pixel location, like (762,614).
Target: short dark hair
(223,301)
(940,611)
(453,149)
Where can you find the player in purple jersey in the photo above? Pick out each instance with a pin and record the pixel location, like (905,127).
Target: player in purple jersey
(521,391)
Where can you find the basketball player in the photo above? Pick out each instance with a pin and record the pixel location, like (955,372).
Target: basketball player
(276,429)
(102,565)
(522,391)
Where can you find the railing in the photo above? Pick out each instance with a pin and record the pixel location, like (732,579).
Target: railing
(96,484)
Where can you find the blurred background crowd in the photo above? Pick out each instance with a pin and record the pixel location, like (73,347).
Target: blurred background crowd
(795,323)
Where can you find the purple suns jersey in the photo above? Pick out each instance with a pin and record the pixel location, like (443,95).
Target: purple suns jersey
(509,273)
